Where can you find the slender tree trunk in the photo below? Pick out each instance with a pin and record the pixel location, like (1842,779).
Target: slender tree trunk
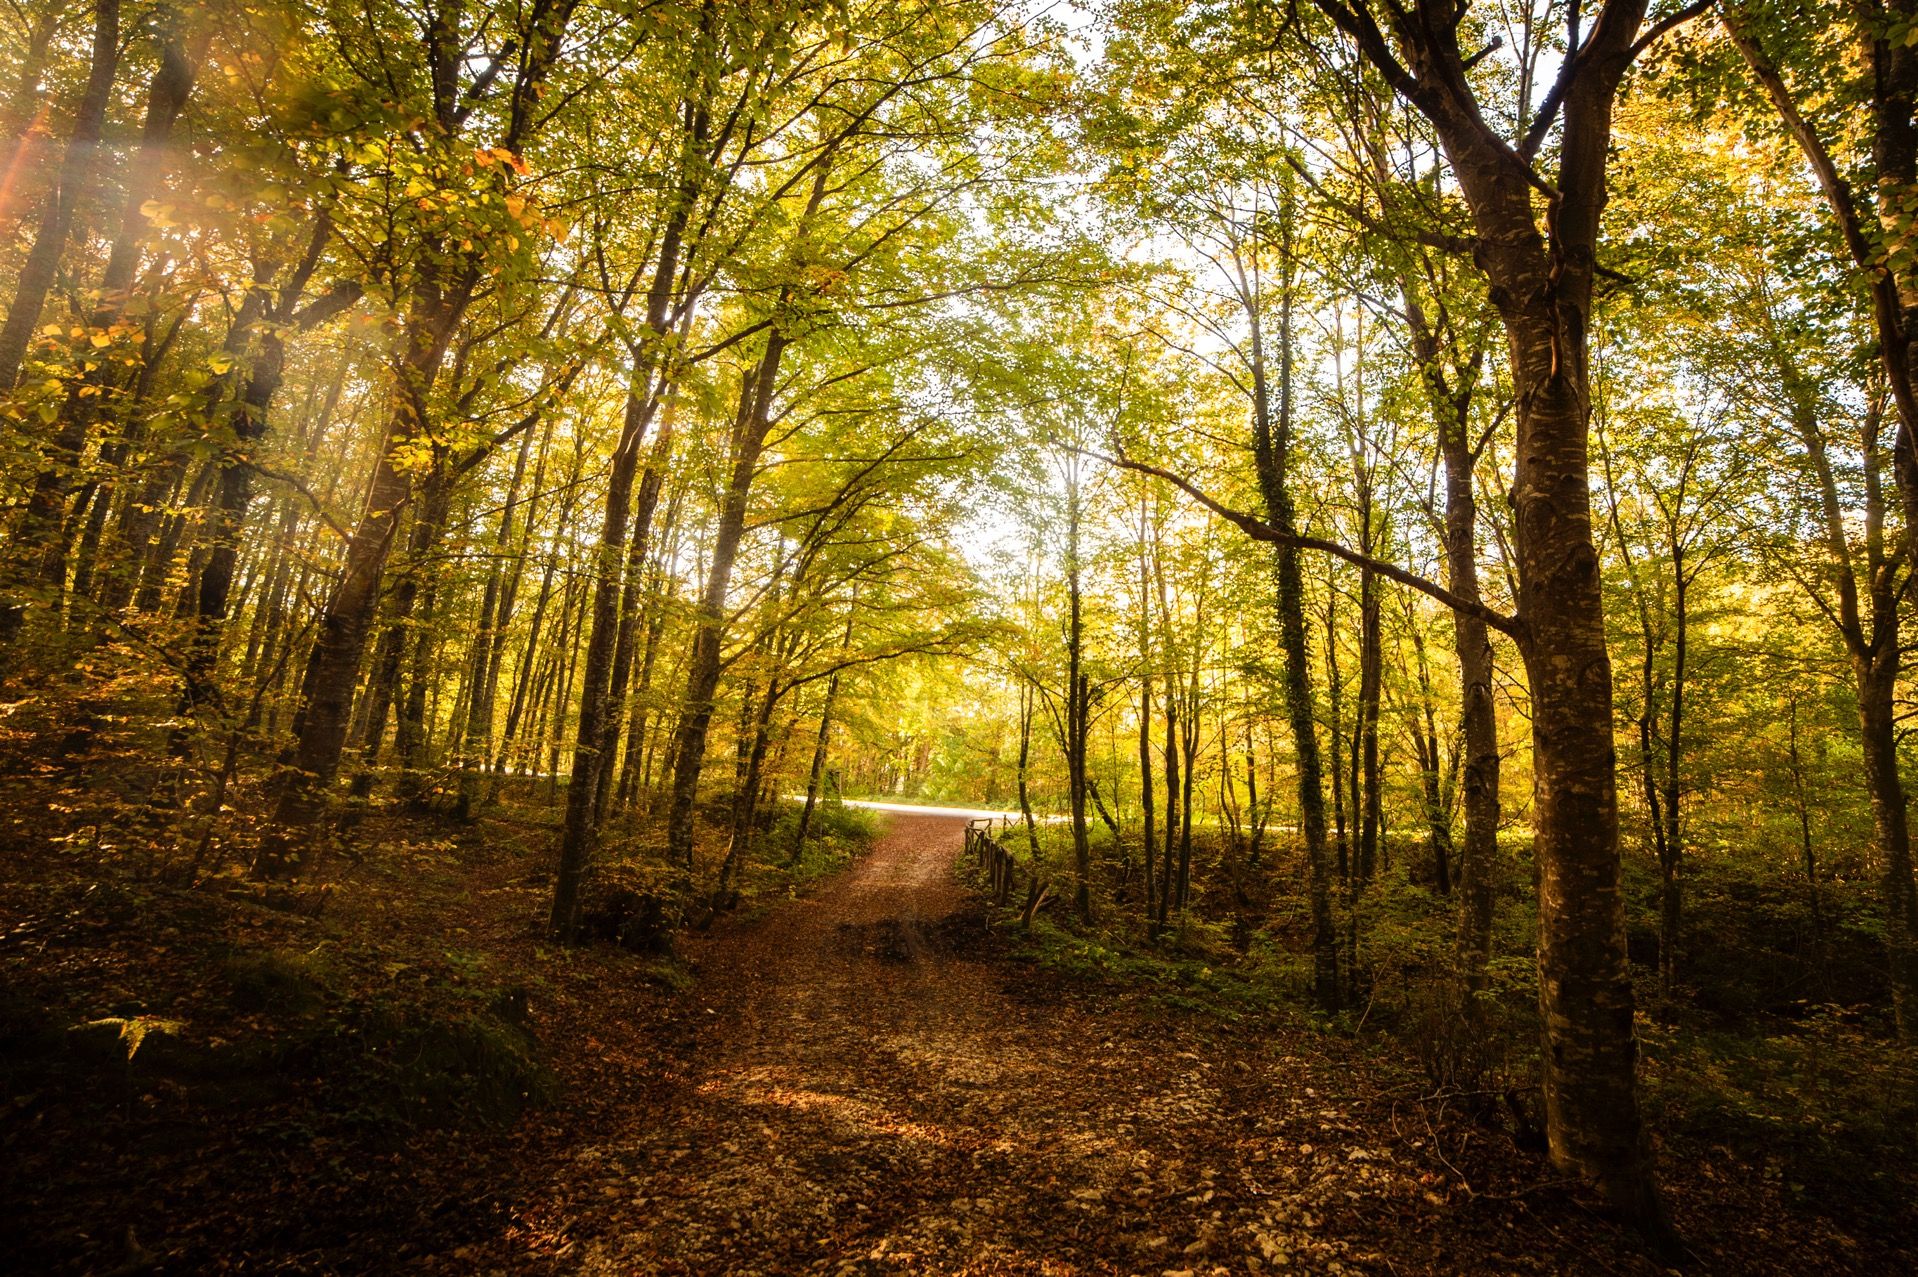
(1876,680)
(524,691)
(1366,740)
(632,607)
(483,677)
(1027,695)
(46,505)
(1335,738)
(411,730)
(333,667)
(1430,754)
(1480,867)
(1809,853)
(1145,714)
(1670,848)
(39,525)
(75,181)
(746,803)
(1172,812)
(598,720)
(1147,814)
(1078,695)
(400,643)
(818,769)
(703,664)
(1189,746)
(824,739)
(1272,446)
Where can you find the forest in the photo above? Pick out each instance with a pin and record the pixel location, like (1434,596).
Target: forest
(958,636)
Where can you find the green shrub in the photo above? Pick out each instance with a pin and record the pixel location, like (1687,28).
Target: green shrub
(1828,1102)
(277,980)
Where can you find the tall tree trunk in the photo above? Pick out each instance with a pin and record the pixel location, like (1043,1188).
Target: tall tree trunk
(524,691)
(598,720)
(1540,279)
(1078,709)
(1027,695)
(333,666)
(631,612)
(818,768)
(1591,1101)
(1189,746)
(1171,762)
(75,181)
(1875,677)
(1149,838)
(39,522)
(1145,713)
(1430,755)
(703,663)
(1335,738)
(395,654)
(1480,868)
(495,608)
(1807,850)
(46,505)
(1893,289)
(746,802)
(1365,744)
(1272,448)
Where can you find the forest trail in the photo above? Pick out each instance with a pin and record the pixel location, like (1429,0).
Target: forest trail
(874,1091)
(874,1101)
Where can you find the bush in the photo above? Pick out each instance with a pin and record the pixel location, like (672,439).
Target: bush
(636,903)
(1828,1103)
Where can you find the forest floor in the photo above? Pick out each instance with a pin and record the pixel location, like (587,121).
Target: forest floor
(872,1084)
(864,1078)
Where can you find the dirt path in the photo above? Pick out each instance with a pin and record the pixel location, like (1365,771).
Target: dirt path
(873,1091)
(869,1098)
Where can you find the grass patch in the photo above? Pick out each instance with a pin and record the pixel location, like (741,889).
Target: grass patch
(1191,969)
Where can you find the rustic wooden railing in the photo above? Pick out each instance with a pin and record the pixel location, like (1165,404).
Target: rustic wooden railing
(1000,868)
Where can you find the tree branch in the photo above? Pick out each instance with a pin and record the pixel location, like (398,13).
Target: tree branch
(1260,530)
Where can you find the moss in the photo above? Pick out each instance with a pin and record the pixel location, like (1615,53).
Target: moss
(469,1069)
(277,980)
(440,1048)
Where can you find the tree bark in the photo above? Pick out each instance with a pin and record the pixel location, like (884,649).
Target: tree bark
(703,664)
(1078,694)
(333,666)
(1272,447)
(1541,285)
(1480,867)
(77,167)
